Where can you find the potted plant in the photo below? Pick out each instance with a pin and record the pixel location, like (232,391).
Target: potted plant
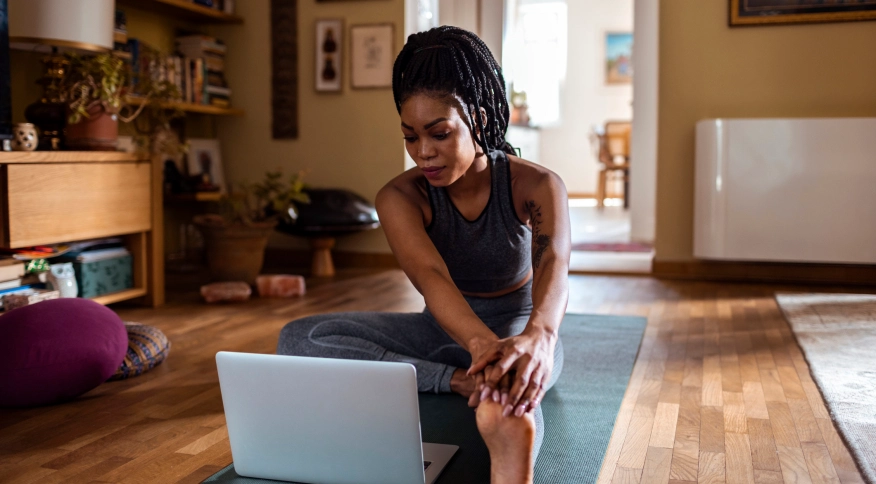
(95,89)
(235,239)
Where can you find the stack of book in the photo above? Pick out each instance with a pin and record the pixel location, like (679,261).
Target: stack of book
(13,282)
(11,272)
(204,66)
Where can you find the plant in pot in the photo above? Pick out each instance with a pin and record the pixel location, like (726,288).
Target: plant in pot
(235,239)
(95,89)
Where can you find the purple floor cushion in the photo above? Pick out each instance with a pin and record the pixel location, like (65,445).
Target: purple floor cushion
(147,347)
(56,350)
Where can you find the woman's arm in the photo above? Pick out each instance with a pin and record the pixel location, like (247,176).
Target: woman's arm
(402,220)
(530,354)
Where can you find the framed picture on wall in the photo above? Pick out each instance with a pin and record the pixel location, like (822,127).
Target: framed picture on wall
(205,161)
(618,58)
(371,56)
(765,12)
(329,55)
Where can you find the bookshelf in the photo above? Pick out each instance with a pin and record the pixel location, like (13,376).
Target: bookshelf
(195,197)
(184,9)
(159,24)
(194,108)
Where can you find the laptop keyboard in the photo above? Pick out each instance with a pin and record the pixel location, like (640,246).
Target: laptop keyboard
(426,465)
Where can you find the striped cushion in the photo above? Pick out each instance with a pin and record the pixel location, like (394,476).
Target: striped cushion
(147,347)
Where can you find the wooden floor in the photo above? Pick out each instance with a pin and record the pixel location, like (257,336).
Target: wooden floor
(720,392)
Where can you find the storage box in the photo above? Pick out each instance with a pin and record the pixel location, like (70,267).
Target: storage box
(100,277)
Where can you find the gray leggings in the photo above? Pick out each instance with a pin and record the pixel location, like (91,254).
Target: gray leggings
(414,338)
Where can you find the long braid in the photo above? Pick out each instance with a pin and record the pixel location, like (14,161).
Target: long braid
(455,61)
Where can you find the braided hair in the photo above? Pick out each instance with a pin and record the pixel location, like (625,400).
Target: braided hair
(456,62)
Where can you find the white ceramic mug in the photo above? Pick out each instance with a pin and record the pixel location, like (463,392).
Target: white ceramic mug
(62,278)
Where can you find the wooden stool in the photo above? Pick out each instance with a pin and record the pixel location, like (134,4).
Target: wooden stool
(322,265)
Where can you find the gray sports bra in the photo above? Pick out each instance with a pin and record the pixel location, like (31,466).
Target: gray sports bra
(490,253)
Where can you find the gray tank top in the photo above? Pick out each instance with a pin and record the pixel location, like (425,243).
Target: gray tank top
(489,253)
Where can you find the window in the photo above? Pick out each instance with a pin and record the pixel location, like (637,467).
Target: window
(535,56)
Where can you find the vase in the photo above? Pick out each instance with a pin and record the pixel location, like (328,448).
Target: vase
(62,278)
(235,252)
(97,132)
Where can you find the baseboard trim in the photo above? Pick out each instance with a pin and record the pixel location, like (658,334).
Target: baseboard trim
(300,259)
(772,272)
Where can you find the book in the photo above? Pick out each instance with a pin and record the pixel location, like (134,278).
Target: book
(218,90)
(12,271)
(10,284)
(103,254)
(21,289)
(94,255)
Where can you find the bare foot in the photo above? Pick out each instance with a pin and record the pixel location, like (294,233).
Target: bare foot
(461,383)
(509,440)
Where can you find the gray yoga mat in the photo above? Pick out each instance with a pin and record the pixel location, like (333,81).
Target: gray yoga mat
(579,412)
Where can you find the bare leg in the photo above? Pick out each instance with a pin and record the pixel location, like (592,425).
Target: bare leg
(509,440)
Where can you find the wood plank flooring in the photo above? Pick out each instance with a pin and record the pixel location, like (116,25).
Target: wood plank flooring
(720,393)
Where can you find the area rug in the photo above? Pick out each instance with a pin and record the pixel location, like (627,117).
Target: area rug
(579,412)
(613,247)
(837,333)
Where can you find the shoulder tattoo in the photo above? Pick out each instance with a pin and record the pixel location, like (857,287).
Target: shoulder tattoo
(540,240)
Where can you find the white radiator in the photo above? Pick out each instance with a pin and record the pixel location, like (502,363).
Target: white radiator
(792,190)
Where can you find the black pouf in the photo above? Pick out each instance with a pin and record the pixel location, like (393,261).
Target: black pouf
(332,212)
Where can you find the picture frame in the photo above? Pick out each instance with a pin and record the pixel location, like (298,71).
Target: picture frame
(618,58)
(371,55)
(205,158)
(329,55)
(772,12)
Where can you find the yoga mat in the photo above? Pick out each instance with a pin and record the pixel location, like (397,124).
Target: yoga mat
(579,411)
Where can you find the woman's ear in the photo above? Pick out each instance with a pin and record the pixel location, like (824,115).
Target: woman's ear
(484,119)
(477,129)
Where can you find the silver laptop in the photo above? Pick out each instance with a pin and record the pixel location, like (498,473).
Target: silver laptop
(320,420)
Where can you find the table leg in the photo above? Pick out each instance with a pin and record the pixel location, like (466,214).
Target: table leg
(322,256)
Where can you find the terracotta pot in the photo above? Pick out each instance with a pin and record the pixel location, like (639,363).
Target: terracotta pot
(98,132)
(234,252)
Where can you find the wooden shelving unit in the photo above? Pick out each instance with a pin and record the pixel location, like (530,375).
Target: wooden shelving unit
(55,197)
(9,157)
(119,296)
(193,108)
(184,9)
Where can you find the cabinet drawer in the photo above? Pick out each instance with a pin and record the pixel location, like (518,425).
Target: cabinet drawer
(51,203)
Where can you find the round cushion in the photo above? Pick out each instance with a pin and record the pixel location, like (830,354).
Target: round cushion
(56,350)
(147,347)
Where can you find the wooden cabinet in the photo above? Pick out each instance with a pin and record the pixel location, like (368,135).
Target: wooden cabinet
(66,196)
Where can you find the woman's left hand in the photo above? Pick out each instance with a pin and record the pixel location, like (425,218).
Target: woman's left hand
(530,356)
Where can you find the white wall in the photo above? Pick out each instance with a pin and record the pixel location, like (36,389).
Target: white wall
(585,98)
(643,149)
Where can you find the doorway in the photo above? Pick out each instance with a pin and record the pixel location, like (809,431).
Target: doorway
(570,68)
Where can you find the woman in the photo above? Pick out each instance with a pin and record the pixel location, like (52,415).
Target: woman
(483,235)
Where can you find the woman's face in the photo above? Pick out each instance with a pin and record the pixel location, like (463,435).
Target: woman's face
(438,137)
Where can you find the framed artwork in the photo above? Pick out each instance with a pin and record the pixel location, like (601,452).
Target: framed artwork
(371,55)
(764,12)
(284,69)
(205,160)
(618,58)
(329,54)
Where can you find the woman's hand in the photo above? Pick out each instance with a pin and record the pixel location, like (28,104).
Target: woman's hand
(529,355)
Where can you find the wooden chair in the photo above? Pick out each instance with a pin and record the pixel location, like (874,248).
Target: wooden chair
(614,156)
